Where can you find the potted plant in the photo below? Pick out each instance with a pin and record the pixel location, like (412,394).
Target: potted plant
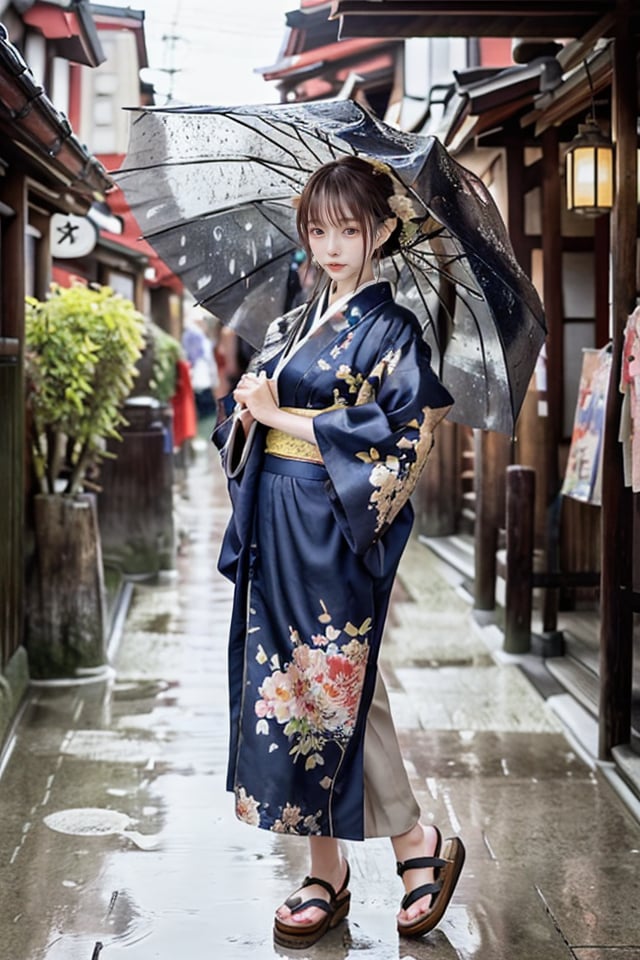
(81,347)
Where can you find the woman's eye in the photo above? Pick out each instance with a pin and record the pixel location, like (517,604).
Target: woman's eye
(316,232)
(350,231)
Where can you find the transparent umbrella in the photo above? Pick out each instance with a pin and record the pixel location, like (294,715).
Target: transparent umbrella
(211,188)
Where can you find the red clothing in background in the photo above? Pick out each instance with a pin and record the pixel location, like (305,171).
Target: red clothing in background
(184,406)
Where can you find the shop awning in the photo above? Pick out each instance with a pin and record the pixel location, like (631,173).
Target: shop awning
(319,58)
(471,18)
(573,95)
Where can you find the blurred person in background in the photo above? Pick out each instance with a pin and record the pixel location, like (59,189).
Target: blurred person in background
(199,348)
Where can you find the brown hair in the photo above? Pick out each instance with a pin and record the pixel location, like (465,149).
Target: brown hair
(348,188)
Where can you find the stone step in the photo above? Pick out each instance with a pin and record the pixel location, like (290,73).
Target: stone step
(577,679)
(457,551)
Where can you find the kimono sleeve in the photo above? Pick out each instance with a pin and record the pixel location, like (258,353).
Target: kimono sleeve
(375,450)
(242,461)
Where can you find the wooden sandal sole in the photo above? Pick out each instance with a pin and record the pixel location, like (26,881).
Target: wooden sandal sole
(285,935)
(454,853)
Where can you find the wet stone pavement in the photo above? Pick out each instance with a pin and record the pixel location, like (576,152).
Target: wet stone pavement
(118,839)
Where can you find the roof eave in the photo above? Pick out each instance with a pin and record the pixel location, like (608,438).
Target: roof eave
(38,130)
(71,31)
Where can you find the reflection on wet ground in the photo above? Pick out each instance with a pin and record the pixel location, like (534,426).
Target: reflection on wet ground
(118,838)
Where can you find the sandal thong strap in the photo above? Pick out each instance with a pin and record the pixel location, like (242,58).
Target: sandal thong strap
(419,863)
(313,902)
(427,889)
(296,903)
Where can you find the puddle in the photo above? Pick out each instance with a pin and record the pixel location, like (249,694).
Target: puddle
(159,623)
(98,822)
(141,689)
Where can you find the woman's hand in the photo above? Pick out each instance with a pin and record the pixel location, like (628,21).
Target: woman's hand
(256,394)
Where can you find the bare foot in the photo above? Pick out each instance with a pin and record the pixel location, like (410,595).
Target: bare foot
(312,914)
(421,841)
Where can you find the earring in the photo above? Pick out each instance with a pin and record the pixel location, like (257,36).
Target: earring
(314,261)
(376,268)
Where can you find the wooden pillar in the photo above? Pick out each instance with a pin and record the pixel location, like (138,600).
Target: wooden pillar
(491,457)
(552,296)
(553,305)
(13,193)
(616,618)
(436,497)
(516,223)
(602,253)
(520,522)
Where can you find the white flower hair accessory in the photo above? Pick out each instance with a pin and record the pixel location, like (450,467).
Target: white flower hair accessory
(404,210)
(400,203)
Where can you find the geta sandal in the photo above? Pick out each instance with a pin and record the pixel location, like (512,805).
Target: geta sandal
(305,934)
(447,871)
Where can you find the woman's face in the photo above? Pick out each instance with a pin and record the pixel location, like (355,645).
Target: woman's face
(339,248)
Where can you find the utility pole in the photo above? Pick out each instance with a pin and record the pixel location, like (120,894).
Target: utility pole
(171,41)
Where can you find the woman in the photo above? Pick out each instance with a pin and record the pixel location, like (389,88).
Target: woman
(332,428)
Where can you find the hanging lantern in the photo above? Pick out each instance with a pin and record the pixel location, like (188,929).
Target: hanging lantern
(589,171)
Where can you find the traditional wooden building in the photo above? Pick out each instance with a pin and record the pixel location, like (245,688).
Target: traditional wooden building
(67,70)
(98,101)
(314,65)
(514,129)
(44,171)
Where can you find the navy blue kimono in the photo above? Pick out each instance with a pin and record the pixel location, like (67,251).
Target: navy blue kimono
(313,546)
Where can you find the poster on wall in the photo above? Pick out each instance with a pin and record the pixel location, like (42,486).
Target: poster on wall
(582,480)
(629,434)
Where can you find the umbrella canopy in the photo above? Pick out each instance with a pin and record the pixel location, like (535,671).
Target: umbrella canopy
(211,188)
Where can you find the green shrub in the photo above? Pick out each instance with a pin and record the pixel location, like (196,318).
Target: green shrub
(166,353)
(82,344)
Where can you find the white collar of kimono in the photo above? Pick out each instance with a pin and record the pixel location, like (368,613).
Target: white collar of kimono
(321,315)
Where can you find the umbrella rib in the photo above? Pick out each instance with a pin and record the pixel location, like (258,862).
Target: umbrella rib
(451,315)
(274,140)
(247,276)
(478,327)
(437,262)
(412,270)
(315,133)
(168,164)
(444,231)
(203,217)
(265,213)
(320,137)
(281,171)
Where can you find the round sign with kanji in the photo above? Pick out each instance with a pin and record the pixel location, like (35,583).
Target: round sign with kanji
(71,236)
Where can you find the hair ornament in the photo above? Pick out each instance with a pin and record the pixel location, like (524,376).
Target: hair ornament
(379,166)
(400,203)
(402,206)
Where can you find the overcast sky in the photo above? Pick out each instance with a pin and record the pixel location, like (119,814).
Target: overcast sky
(213,46)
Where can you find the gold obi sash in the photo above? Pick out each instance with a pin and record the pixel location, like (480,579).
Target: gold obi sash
(281,444)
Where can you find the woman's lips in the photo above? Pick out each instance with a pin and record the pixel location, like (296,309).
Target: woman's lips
(335,266)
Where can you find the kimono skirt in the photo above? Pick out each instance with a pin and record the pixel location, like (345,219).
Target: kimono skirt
(315,577)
